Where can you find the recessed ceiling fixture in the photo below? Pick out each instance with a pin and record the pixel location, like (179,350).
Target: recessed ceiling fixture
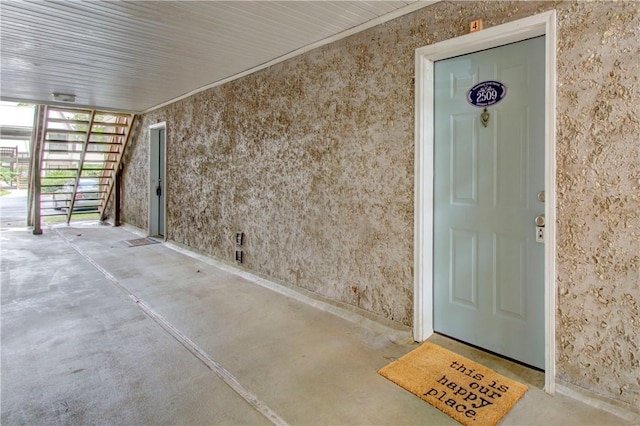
(63,97)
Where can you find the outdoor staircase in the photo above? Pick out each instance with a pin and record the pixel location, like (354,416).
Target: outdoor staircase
(77,153)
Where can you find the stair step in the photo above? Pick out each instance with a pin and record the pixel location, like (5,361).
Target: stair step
(66,132)
(113,114)
(107,134)
(63,151)
(49,163)
(76,211)
(91,151)
(66,120)
(111,123)
(104,143)
(87,206)
(90,199)
(63,141)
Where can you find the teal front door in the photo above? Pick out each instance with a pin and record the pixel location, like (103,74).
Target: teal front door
(488,191)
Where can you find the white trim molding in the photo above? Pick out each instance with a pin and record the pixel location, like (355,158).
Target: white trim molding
(533,26)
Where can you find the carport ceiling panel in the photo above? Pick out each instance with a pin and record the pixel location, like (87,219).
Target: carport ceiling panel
(135,55)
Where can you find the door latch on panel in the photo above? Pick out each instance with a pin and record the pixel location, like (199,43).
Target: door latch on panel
(540,222)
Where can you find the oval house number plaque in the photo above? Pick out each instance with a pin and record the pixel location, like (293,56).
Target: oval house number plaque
(486,93)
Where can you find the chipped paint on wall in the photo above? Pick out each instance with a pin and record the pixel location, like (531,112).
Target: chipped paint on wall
(313,160)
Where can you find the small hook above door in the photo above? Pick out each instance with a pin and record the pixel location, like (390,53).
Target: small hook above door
(485,117)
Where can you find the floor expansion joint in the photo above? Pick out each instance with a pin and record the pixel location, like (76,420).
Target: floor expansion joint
(187,343)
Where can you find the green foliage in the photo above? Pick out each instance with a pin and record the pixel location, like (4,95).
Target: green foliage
(82,127)
(89,172)
(76,216)
(7,176)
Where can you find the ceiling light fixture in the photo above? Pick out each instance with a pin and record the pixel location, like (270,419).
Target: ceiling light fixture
(63,97)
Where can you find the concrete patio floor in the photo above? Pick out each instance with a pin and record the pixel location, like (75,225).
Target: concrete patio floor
(95,332)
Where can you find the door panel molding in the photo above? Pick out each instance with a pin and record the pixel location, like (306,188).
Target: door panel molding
(533,26)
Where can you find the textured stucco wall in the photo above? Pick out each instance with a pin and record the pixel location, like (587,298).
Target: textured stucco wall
(313,160)
(598,158)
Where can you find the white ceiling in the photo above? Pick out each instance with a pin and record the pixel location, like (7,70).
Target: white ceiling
(136,55)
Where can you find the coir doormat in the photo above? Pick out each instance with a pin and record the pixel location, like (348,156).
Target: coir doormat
(140,242)
(465,390)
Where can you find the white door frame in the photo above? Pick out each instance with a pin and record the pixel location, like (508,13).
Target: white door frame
(152,227)
(537,25)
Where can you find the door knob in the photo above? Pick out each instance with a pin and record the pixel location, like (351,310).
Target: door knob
(540,220)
